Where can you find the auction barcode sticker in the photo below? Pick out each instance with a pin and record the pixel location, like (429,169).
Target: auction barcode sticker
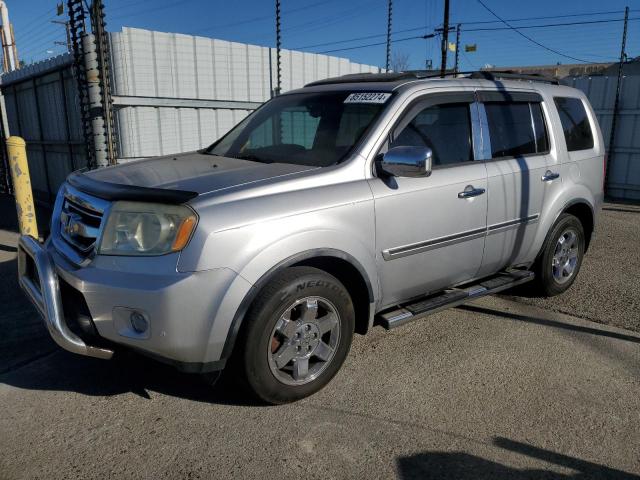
(367,97)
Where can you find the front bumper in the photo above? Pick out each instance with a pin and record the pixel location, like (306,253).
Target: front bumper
(188,313)
(38,279)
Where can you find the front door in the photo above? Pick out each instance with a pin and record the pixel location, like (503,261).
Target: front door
(430,231)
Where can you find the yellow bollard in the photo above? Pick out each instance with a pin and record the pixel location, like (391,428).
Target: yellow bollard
(17,151)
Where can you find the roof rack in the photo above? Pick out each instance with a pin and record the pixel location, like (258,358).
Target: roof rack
(511,75)
(366,77)
(425,74)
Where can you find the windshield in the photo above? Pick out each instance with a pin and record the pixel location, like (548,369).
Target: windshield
(314,129)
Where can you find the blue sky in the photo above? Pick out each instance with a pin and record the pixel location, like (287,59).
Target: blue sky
(307,23)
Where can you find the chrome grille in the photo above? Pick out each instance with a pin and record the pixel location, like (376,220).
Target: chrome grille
(80,222)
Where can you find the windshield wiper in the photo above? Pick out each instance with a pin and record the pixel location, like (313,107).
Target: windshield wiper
(251,157)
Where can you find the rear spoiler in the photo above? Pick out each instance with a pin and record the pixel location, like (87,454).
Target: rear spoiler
(116,191)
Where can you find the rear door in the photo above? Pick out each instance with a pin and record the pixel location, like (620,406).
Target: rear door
(520,170)
(429,233)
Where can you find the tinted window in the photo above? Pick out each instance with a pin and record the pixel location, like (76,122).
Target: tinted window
(510,129)
(354,122)
(542,141)
(577,130)
(445,129)
(315,129)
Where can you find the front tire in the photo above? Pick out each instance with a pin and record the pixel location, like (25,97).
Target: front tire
(296,335)
(561,258)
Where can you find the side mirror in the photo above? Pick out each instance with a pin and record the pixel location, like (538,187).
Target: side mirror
(407,161)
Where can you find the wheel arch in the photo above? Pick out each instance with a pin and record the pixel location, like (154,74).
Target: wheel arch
(338,263)
(583,211)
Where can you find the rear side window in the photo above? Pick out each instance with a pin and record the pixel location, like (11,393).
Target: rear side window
(516,129)
(575,123)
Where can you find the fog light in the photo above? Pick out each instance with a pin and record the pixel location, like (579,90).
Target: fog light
(138,322)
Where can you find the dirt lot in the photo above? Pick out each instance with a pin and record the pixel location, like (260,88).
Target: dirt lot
(507,388)
(608,287)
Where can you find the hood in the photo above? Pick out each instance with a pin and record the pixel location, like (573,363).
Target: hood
(194,172)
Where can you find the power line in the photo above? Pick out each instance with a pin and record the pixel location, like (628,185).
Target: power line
(529,38)
(548,25)
(342,16)
(424,27)
(422,37)
(146,10)
(547,17)
(39,17)
(481,29)
(262,17)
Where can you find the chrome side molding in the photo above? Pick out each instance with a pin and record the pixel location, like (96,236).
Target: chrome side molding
(419,247)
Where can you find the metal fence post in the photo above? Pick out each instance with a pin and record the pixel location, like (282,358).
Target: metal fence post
(616,102)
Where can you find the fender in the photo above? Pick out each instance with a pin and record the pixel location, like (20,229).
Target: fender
(250,296)
(577,194)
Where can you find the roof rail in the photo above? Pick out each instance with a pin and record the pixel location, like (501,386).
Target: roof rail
(366,77)
(427,74)
(511,75)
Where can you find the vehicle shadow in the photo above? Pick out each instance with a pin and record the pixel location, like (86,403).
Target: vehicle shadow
(29,359)
(618,209)
(550,323)
(127,372)
(463,466)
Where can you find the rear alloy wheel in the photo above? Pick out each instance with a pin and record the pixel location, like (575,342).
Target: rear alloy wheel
(565,256)
(561,257)
(296,335)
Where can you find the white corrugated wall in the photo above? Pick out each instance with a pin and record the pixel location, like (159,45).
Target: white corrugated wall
(171,66)
(624,162)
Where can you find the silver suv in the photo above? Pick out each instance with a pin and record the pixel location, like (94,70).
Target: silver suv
(355,201)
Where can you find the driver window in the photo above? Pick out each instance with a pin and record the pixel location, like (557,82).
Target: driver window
(444,128)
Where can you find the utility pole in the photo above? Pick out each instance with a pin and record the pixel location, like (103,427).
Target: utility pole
(455,69)
(389,12)
(15,48)
(445,39)
(68,32)
(8,43)
(278,46)
(616,102)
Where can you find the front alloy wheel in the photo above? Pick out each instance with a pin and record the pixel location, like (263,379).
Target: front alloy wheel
(304,340)
(296,335)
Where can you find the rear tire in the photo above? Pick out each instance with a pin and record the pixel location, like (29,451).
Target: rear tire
(295,336)
(561,258)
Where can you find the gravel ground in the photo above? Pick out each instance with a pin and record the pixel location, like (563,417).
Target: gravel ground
(607,289)
(501,389)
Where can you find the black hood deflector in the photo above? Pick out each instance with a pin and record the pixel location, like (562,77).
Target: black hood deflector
(115,191)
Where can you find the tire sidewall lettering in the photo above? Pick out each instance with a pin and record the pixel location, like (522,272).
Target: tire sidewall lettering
(298,289)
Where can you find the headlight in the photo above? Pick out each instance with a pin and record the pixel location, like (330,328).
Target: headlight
(136,228)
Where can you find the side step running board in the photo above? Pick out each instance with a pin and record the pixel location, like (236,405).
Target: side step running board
(452,297)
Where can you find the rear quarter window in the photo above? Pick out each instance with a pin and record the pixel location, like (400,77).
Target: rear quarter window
(575,123)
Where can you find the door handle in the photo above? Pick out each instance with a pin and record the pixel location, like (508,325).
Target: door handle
(470,191)
(550,176)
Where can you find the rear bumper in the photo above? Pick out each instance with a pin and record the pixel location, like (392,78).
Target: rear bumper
(38,278)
